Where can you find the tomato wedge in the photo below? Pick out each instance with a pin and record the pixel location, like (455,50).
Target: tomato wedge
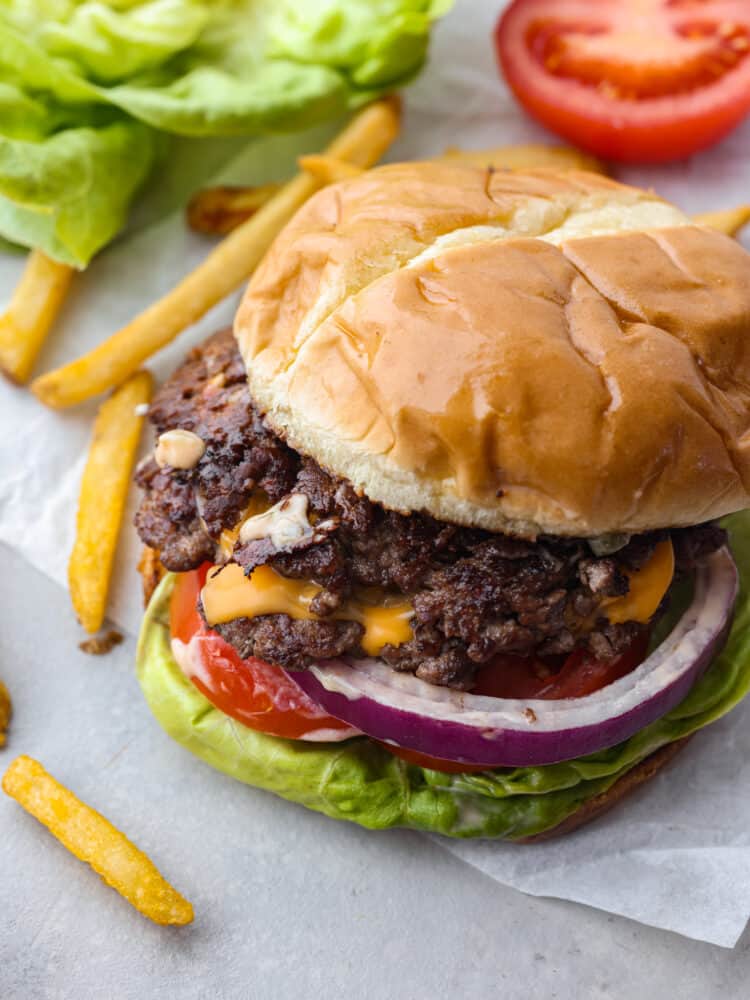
(633,80)
(257,694)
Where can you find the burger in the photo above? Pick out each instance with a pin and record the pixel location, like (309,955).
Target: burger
(450,517)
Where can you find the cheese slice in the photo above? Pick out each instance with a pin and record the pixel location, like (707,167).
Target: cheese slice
(648,585)
(229,594)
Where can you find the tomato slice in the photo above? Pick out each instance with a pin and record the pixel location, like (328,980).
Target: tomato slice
(523,677)
(257,694)
(580,674)
(633,80)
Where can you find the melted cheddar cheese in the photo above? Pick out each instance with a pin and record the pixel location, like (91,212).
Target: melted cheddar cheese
(229,594)
(648,585)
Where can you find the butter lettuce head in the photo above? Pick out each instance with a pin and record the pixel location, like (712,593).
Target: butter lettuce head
(102,79)
(69,192)
(361,782)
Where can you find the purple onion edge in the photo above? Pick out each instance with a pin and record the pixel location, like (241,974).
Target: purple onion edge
(508,747)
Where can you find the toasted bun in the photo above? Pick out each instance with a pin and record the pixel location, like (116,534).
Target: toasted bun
(526,353)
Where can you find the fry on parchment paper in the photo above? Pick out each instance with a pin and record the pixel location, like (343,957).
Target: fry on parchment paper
(6,710)
(152,572)
(33,309)
(219,210)
(728,221)
(328,169)
(93,839)
(104,490)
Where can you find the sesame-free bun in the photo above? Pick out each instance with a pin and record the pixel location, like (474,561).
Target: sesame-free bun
(539,352)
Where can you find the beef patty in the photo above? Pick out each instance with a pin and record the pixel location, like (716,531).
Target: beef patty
(476,594)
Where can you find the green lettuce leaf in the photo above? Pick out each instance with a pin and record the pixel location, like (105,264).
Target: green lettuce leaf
(98,77)
(69,192)
(361,782)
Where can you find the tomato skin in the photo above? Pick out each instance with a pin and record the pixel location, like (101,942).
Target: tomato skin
(257,694)
(621,111)
(580,674)
(184,619)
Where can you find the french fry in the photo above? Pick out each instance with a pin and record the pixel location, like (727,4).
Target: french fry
(526,157)
(93,839)
(152,572)
(327,169)
(104,489)
(216,211)
(219,210)
(729,221)
(6,710)
(362,143)
(33,309)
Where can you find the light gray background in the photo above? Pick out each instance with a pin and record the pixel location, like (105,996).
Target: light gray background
(288,903)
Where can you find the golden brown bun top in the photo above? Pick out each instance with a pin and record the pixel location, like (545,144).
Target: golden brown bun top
(528,353)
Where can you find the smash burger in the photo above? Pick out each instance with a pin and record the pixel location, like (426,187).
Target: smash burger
(441,515)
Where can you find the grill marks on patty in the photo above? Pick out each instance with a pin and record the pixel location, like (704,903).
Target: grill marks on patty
(475,593)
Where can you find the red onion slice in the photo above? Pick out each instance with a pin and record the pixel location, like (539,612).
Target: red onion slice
(400,709)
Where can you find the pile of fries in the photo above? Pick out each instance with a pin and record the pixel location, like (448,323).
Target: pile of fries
(248,219)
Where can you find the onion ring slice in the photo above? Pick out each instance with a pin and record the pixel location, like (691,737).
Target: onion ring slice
(405,711)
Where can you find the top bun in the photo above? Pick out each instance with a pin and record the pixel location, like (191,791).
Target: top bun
(528,353)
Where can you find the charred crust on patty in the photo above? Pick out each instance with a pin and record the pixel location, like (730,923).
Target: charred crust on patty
(476,593)
(184,511)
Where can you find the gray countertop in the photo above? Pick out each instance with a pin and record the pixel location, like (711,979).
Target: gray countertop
(288,903)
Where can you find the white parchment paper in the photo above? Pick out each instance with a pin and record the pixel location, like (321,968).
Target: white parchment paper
(678,855)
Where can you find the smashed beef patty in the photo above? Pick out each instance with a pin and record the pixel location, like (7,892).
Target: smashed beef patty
(476,594)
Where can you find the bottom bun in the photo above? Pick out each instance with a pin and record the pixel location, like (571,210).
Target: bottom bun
(602,803)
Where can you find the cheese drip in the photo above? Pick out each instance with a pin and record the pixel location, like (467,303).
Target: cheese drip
(648,585)
(229,594)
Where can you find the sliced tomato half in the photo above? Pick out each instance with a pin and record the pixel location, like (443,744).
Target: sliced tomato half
(257,694)
(632,80)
